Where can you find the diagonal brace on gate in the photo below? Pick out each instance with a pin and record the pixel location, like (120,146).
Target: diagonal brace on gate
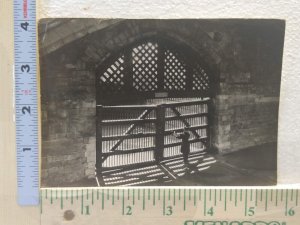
(178,115)
(128,131)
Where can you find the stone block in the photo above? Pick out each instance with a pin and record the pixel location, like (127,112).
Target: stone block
(90,172)
(223,147)
(92,53)
(242,77)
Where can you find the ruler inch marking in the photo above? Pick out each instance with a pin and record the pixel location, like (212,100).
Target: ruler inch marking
(184,199)
(235,196)
(256,196)
(215,197)
(51,199)
(41,202)
(153,197)
(297,197)
(159,194)
(246,203)
(276,200)
(144,204)
(241,195)
(92,197)
(266,200)
(225,200)
(102,199)
(174,197)
(286,201)
(72,197)
(82,202)
(195,197)
(164,202)
(189,197)
(25,106)
(123,199)
(204,202)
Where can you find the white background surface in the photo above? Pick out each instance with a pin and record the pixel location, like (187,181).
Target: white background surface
(289,119)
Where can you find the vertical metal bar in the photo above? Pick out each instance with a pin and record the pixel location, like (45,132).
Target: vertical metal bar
(128,72)
(99,115)
(160,132)
(209,122)
(160,65)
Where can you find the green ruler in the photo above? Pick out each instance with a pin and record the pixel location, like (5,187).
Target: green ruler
(187,206)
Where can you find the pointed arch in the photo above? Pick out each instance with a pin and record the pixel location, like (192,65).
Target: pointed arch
(150,66)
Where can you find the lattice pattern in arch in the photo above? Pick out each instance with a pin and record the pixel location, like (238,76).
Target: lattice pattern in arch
(145,66)
(200,79)
(174,72)
(145,63)
(112,80)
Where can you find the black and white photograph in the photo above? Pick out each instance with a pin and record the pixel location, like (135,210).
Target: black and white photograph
(159,102)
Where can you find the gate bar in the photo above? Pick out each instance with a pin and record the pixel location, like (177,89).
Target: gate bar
(160,132)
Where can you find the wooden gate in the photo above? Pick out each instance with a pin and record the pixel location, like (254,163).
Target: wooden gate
(145,92)
(193,116)
(143,134)
(125,135)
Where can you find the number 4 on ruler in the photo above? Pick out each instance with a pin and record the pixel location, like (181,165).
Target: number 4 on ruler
(26,102)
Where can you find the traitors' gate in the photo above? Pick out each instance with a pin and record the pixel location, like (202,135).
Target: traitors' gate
(145,92)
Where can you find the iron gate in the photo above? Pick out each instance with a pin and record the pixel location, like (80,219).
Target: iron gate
(142,134)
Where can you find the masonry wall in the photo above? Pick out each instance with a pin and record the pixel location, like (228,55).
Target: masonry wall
(245,62)
(68,122)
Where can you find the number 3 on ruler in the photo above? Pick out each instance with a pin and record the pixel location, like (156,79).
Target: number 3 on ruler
(25,67)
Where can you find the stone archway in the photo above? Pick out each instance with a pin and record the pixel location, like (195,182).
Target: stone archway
(154,69)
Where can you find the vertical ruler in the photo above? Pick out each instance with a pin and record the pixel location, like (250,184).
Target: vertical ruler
(26,113)
(187,206)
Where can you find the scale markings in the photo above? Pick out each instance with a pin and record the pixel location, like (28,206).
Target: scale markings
(26,103)
(246,202)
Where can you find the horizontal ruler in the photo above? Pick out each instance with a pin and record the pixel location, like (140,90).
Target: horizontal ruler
(26,102)
(188,206)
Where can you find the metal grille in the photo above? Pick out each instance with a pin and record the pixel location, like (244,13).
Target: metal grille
(112,80)
(153,66)
(200,79)
(135,134)
(193,116)
(144,59)
(127,135)
(174,72)
(137,145)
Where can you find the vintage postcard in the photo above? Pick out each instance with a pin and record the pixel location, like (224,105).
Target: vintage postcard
(135,102)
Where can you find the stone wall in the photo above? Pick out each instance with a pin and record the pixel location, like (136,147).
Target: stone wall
(68,121)
(247,104)
(244,59)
